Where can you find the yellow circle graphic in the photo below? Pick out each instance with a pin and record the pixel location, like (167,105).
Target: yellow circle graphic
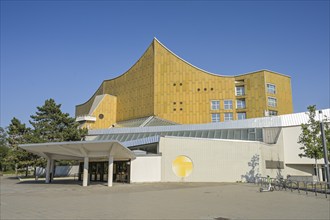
(182,166)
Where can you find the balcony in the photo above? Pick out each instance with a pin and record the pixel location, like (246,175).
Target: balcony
(82,118)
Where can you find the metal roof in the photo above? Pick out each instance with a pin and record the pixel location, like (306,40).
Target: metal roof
(274,121)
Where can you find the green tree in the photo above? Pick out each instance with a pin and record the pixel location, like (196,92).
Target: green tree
(311,139)
(3,148)
(52,125)
(18,133)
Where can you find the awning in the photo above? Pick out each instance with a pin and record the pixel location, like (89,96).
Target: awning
(77,150)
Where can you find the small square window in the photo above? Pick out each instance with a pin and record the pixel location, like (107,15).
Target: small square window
(216,117)
(272,102)
(240,103)
(241,115)
(228,104)
(240,90)
(271,88)
(215,105)
(229,116)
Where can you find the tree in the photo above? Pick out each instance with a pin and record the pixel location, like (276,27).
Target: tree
(52,125)
(311,139)
(3,148)
(18,133)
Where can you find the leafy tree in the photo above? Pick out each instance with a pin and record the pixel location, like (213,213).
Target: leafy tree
(52,125)
(311,139)
(3,148)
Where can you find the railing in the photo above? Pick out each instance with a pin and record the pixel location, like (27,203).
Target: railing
(294,185)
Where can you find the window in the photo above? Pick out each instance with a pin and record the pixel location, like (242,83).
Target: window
(228,104)
(241,115)
(271,88)
(272,102)
(272,113)
(240,103)
(228,116)
(215,105)
(216,117)
(240,90)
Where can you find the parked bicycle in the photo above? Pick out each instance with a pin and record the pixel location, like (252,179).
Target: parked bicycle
(280,184)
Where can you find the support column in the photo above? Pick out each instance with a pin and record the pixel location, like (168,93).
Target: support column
(110,171)
(86,165)
(48,171)
(52,172)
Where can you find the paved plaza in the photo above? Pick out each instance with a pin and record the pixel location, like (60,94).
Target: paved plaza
(67,199)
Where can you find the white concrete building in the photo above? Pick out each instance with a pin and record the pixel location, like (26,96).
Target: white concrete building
(217,152)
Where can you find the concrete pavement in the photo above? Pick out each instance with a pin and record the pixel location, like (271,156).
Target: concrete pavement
(66,199)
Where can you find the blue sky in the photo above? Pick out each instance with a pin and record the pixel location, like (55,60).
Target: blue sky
(65,49)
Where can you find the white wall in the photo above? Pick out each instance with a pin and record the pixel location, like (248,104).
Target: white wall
(146,169)
(213,160)
(66,170)
(60,170)
(291,147)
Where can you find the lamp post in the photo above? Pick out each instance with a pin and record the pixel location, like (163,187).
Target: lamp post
(325,150)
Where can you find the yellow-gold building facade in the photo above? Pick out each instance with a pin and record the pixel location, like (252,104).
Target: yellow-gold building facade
(162,84)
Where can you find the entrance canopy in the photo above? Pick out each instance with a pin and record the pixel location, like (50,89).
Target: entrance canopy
(78,150)
(86,150)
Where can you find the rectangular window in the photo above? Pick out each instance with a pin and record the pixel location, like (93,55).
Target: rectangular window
(216,117)
(241,115)
(228,116)
(240,103)
(215,105)
(228,104)
(272,113)
(272,102)
(240,90)
(271,88)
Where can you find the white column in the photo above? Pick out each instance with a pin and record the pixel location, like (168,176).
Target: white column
(110,171)
(86,164)
(48,171)
(52,172)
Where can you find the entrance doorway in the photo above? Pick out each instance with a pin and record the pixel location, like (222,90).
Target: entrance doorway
(121,171)
(98,171)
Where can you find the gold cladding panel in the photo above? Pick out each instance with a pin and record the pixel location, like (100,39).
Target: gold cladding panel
(134,89)
(183,93)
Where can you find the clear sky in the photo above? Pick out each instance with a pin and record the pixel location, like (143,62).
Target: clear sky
(65,49)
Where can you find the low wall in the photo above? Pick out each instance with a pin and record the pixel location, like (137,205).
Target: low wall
(60,170)
(146,168)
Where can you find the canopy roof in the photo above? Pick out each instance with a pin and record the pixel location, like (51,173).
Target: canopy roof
(79,149)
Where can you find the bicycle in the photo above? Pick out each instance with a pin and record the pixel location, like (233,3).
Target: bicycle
(280,184)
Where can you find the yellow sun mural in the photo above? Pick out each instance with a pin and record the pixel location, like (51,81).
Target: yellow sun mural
(182,166)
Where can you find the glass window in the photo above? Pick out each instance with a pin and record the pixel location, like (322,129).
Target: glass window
(228,104)
(272,102)
(240,90)
(216,117)
(241,115)
(240,103)
(215,105)
(271,88)
(228,116)
(272,113)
